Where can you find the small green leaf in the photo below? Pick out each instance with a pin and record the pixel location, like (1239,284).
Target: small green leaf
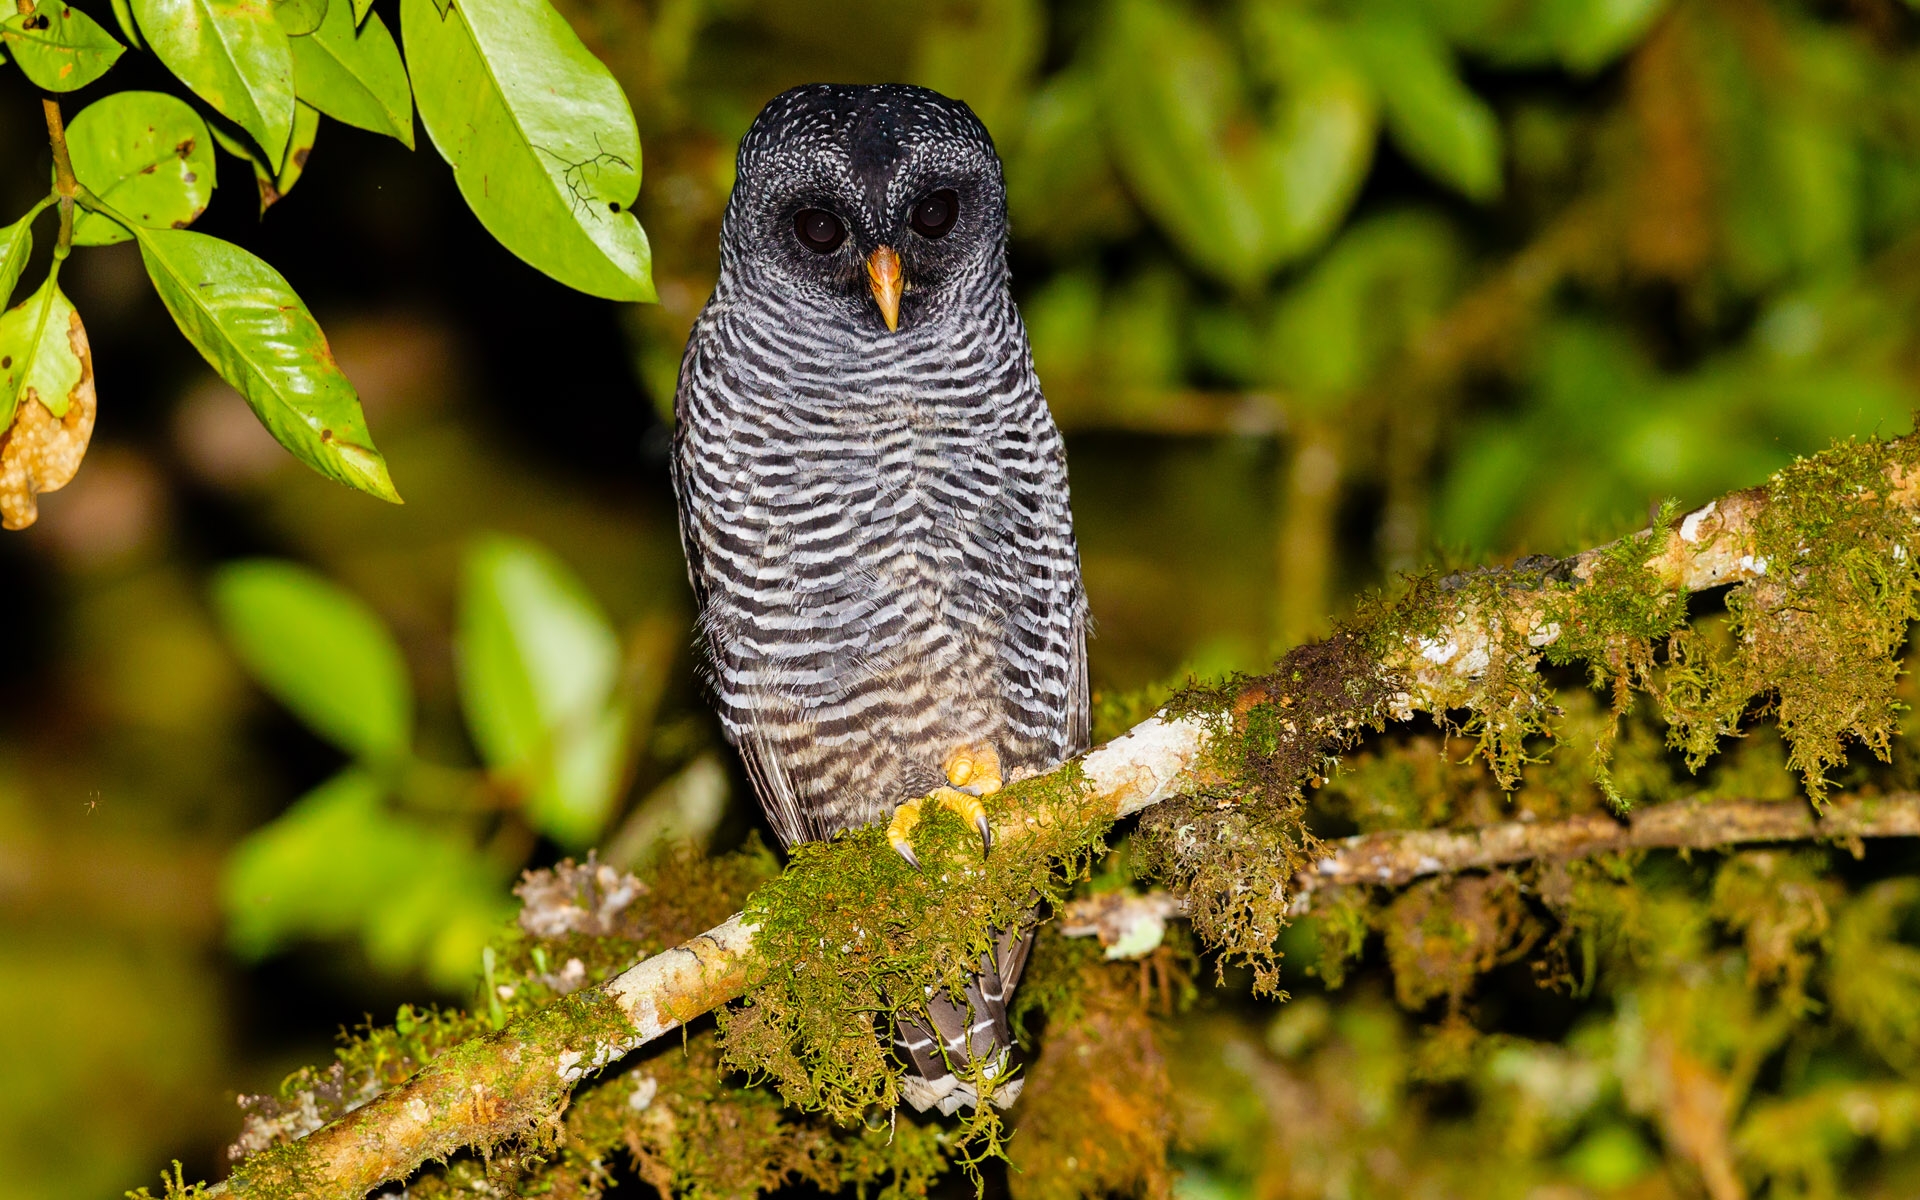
(59,47)
(321,652)
(123,17)
(251,327)
(1589,34)
(274,185)
(539,669)
(360,10)
(233,55)
(299,17)
(342,863)
(306,127)
(147,154)
(1244,174)
(1435,118)
(542,141)
(37,358)
(16,245)
(355,76)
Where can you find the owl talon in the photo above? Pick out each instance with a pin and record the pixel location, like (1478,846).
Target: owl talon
(972,772)
(900,830)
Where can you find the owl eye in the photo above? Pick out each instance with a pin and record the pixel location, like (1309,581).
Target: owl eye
(934,214)
(819,230)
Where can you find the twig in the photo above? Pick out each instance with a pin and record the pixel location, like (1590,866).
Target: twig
(512,1080)
(65,185)
(1398,858)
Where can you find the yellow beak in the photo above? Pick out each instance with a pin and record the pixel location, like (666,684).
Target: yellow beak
(883,274)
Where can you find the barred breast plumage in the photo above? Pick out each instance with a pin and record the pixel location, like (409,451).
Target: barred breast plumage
(876,521)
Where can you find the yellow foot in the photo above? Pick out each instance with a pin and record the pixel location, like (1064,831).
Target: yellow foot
(972,772)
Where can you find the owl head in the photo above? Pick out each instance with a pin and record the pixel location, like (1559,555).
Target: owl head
(865,208)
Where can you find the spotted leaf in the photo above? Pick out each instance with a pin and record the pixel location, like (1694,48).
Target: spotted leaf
(251,327)
(541,140)
(59,47)
(147,154)
(46,385)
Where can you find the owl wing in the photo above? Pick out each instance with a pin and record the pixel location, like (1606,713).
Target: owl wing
(770,783)
(1059,548)
(1079,690)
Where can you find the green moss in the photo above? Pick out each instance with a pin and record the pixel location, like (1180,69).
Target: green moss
(1814,642)
(1341,922)
(852,937)
(173,1186)
(1443,934)
(1096,1116)
(1780,903)
(1054,981)
(1234,848)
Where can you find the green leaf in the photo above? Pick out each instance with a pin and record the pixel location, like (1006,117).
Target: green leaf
(1244,174)
(274,185)
(299,17)
(306,128)
(360,10)
(123,17)
(251,327)
(16,245)
(540,137)
(59,47)
(1435,118)
(233,55)
(321,652)
(147,154)
(37,359)
(355,76)
(539,669)
(1592,33)
(342,863)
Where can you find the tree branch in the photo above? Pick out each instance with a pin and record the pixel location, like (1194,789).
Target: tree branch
(1398,858)
(518,1079)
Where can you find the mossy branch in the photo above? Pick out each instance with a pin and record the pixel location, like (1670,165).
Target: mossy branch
(1826,589)
(1400,857)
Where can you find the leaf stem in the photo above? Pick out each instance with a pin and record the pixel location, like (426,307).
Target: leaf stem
(65,186)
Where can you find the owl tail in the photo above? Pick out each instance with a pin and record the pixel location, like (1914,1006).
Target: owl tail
(945,1042)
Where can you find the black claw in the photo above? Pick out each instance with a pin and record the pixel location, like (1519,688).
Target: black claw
(986,834)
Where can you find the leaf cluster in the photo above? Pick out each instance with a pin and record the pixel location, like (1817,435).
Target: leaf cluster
(541,139)
(393,850)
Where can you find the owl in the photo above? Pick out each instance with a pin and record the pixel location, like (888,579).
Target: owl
(873,503)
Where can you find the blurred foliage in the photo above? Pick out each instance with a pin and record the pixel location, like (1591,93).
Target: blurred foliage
(542,692)
(1319,291)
